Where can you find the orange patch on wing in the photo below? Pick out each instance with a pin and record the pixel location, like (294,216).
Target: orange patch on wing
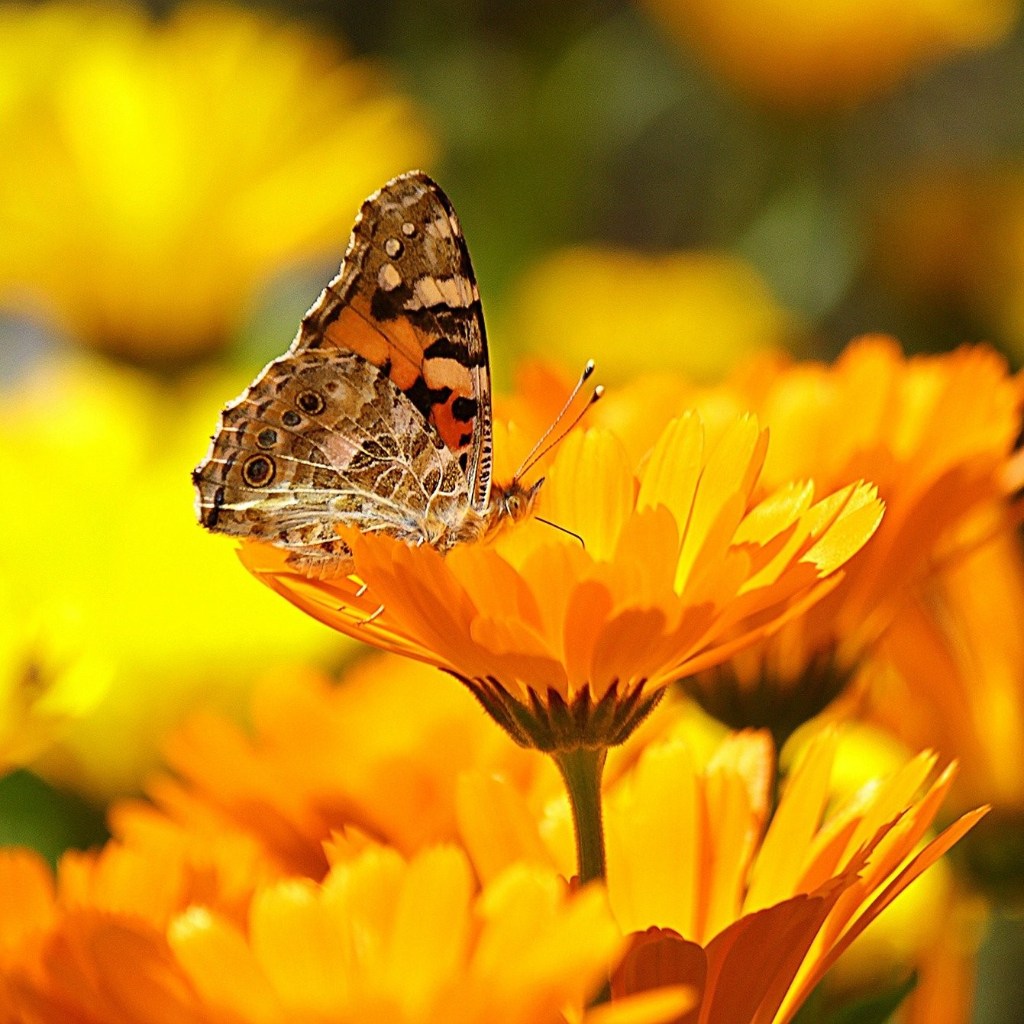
(451,429)
(353,330)
(377,342)
(407,344)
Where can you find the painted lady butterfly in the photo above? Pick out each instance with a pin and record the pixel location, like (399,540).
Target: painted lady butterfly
(379,414)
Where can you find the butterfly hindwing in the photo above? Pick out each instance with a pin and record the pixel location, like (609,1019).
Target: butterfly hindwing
(324,438)
(406,300)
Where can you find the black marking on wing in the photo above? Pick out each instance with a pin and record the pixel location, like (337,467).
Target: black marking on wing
(390,305)
(464,408)
(425,397)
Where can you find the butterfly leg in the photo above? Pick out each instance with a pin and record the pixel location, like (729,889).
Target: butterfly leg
(375,615)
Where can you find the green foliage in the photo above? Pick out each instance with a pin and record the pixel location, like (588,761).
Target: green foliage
(876,1008)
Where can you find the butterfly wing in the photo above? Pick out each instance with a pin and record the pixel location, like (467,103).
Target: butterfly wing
(322,437)
(406,300)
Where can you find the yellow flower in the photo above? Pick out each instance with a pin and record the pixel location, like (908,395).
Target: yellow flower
(747,906)
(801,54)
(128,938)
(936,435)
(903,939)
(568,642)
(384,940)
(156,174)
(695,312)
(100,552)
(48,678)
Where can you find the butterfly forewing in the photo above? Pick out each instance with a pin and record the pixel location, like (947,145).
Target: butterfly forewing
(406,300)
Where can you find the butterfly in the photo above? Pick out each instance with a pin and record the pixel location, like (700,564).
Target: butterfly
(379,414)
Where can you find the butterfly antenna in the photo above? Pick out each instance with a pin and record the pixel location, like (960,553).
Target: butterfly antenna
(563,529)
(546,442)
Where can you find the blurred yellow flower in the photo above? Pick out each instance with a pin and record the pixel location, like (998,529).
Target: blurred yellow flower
(379,939)
(694,312)
(154,175)
(100,552)
(936,434)
(748,906)
(406,734)
(569,644)
(806,55)
(49,676)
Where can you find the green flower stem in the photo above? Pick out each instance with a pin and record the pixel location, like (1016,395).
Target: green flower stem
(581,768)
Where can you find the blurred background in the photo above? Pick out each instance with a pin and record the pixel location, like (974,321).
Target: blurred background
(654,183)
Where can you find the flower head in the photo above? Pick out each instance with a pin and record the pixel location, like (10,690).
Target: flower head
(156,174)
(121,937)
(796,53)
(696,311)
(760,920)
(568,641)
(936,434)
(406,732)
(950,673)
(748,906)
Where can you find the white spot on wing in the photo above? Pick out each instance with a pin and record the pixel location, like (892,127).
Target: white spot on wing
(388,277)
(432,291)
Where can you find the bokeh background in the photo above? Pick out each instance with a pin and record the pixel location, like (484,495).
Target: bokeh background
(655,183)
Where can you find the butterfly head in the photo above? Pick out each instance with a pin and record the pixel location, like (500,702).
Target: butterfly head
(514,501)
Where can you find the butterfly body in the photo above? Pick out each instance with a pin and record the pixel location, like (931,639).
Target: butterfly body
(379,414)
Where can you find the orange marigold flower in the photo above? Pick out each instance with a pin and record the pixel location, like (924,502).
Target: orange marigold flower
(950,673)
(381,939)
(936,434)
(748,915)
(122,939)
(569,641)
(90,946)
(280,793)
